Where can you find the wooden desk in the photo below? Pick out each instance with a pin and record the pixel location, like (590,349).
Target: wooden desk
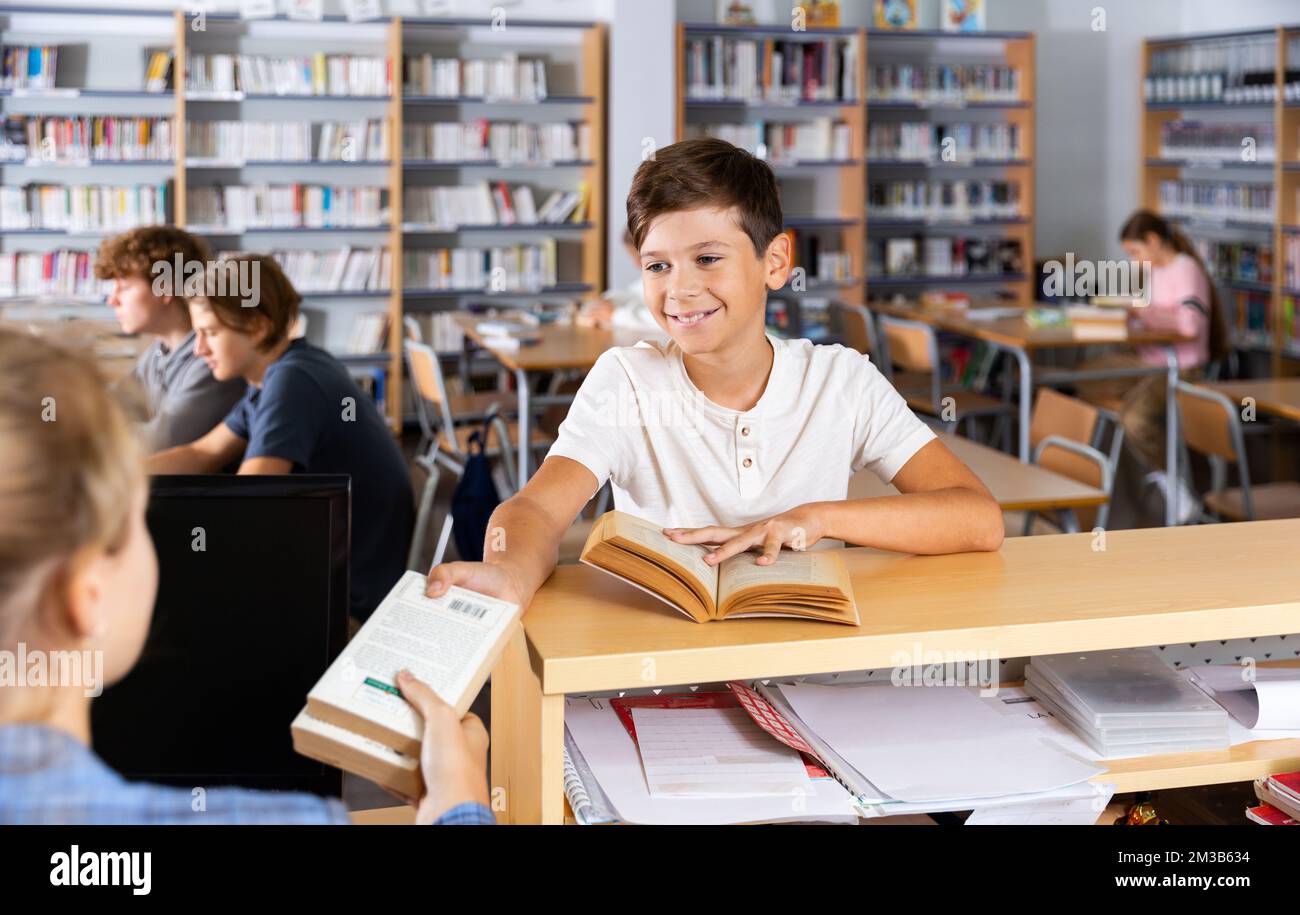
(1279,396)
(1018,339)
(401,815)
(585,631)
(1015,486)
(563,346)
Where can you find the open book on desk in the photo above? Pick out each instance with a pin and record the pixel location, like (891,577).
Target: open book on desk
(802,585)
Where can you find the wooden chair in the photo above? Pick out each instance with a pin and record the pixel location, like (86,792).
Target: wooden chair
(1061,432)
(1211,427)
(858,328)
(913,346)
(446,423)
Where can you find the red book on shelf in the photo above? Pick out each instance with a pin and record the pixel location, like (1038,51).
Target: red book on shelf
(1266,815)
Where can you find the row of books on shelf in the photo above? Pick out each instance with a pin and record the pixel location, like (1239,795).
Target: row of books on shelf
(771,70)
(74,140)
(507,78)
(82,207)
(819,262)
(944,200)
(361,140)
(497,141)
(1236,261)
(344,269)
(1228,70)
(1200,141)
(287,206)
(943,83)
(314,74)
(29,66)
(944,256)
(158,72)
(1217,200)
(368,334)
(958,142)
(50,273)
(1291,258)
(810,141)
(496,269)
(485,204)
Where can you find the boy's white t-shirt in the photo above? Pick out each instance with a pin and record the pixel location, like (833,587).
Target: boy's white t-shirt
(677,459)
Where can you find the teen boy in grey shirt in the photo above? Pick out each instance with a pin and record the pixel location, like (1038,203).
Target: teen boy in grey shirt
(181,397)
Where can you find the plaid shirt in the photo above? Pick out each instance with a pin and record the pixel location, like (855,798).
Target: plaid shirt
(47,776)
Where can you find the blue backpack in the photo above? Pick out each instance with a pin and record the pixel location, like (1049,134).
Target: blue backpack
(474,499)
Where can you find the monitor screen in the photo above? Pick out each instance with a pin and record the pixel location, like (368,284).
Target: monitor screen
(252,607)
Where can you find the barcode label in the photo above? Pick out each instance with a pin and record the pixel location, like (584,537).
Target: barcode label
(469,608)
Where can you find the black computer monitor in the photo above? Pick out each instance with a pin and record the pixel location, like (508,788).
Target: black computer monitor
(252,607)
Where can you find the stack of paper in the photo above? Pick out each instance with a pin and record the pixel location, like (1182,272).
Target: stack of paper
(1126,702)
(802,752)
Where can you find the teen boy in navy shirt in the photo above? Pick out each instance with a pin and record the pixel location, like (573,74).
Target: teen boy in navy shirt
(302,413)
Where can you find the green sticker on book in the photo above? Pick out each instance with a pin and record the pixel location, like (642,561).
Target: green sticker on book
(371,681)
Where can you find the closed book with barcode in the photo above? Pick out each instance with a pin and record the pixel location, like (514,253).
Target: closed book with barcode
(450,643)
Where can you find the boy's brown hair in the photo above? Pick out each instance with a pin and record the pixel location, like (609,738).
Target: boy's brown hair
(134,253)
(277,300)
(706,172)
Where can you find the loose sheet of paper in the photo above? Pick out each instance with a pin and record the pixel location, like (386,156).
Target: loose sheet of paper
(614,762)
(927,744)
(1080,811)
(713,752)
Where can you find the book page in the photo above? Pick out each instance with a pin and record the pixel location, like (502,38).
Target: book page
(443,641)
(687,555)
(811,568)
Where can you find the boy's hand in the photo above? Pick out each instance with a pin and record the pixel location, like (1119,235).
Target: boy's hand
(453,753)
(486,578)
(798,529)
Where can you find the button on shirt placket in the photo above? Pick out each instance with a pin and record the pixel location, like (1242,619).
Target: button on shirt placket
(747,456)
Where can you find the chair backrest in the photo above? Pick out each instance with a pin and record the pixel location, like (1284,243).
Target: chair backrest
(1084,464)
(911,344)
(1059,414)
(1209,422)
(412,328)
(429,388)
(855,323)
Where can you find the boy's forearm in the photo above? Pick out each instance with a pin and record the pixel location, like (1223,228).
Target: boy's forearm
(943,521)
(180,459)
(522,537)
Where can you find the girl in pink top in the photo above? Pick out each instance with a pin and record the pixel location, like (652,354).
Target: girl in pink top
(1183,300)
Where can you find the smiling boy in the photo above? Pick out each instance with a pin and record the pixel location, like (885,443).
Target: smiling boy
(726,435)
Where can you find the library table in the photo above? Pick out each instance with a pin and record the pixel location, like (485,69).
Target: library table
(1015,486)
(1012,335)
(1279,396)
(585,631)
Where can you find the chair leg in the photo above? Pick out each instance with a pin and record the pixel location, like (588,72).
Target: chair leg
(424,513)
(443,537)
(1029,524)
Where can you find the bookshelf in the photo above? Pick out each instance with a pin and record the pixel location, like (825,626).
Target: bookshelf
(105,78)
(981,125)
(972,135)
(1229,102)
(784,127)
